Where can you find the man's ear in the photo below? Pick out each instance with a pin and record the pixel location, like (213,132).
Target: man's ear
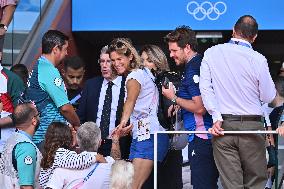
(187,48)
(63,72)
(253,39)
(234,33)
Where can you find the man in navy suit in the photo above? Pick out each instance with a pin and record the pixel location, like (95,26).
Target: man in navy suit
(93,101)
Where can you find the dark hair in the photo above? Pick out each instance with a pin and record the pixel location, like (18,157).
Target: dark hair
(246,27)
(183,35)
(51,39)
(23,112)
(279,84)
(22,71)
(74,62)
(58,135)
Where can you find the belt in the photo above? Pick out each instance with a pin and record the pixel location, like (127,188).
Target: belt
(231,117)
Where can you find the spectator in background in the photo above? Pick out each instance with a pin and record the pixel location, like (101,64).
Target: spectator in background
(73,75)
(11,87)
(20,162)
(89,137)
(22,71)
(7,9)
(93,104)
(46,87)
(122,173)
(234,80)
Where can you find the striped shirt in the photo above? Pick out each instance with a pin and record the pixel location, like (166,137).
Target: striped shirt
(67,159)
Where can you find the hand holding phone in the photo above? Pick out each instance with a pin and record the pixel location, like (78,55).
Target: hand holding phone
(166,83)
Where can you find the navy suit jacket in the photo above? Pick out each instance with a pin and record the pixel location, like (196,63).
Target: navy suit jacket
(89,102)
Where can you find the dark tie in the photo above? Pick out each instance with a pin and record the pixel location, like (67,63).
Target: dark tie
(105,118)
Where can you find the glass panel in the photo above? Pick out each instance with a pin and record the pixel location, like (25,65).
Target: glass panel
(24,18)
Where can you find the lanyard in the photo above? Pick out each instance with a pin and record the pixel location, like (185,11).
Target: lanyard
(240,43)
(79,185)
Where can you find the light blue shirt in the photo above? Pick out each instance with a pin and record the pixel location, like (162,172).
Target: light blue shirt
(26,157)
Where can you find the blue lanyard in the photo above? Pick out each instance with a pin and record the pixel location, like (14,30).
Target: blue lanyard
(90,173)
(240,43)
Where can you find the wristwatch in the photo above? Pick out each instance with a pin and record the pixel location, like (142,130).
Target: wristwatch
(174,100)
(3,26)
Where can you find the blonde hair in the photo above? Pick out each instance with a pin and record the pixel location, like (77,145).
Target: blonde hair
(156,56)
(125,47)
(121,176)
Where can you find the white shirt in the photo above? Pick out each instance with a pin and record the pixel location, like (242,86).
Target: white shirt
(5,132)
(234,79)
(147,101)
(114,102)
(100,178)
(67,159)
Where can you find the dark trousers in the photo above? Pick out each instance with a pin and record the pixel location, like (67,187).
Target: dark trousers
(124,143)
(241,159)
(169,172)
(204,173)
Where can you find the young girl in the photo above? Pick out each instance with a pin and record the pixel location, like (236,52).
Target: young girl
(57,153)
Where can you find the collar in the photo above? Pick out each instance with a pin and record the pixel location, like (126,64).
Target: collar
(42,58)
(245,43)
(25,133)
(192,58)
(116,81)
(1,68)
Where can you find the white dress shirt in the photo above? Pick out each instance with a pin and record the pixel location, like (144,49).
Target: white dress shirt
(114,102)
(234,79)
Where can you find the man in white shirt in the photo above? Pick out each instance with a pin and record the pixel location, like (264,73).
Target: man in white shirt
(234,80)
(96,176)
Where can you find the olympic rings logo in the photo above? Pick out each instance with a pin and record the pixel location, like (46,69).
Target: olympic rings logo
(206,9)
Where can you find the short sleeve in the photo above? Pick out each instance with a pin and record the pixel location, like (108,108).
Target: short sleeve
(137,75)
(192,77)
(26,157)
(51,82)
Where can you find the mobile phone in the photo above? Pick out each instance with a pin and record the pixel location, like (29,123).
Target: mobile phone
(166,83)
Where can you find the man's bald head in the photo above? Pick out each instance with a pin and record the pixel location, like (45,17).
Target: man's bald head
(246,27)
(23,113)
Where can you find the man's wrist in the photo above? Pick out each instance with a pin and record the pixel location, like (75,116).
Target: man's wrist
(174,100)
(115,140)
(3,26)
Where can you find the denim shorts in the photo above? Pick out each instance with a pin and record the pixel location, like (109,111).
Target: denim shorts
(145,149)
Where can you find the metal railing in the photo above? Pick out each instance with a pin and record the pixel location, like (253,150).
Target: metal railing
(195,132)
